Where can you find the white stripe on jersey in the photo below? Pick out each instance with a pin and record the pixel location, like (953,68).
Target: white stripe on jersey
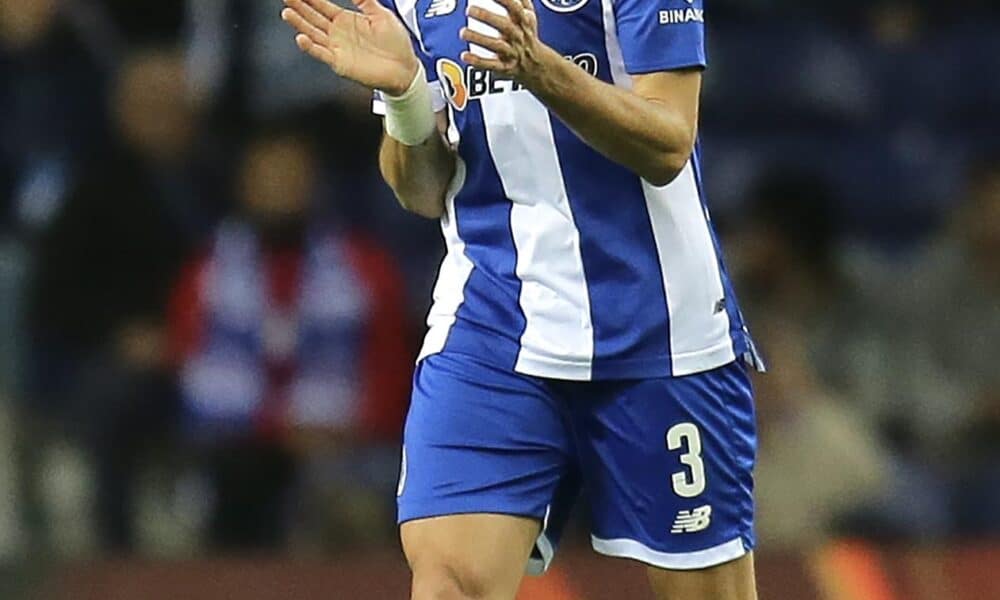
(554,295)
(619,75)
(700,340)
(686,250)
(456,268)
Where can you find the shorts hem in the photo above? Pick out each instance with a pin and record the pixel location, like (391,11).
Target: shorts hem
(681,561)
(430,510)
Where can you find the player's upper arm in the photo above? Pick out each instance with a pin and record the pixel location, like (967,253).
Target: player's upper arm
(679,90)
(663,50)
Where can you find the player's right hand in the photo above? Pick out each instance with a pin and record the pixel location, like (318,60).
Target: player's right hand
(371,47)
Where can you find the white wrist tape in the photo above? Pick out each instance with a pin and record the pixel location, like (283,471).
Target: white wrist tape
(409,119)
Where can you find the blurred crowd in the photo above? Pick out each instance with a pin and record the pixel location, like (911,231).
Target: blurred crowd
(211,304)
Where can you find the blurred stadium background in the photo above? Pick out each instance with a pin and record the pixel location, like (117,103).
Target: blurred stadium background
(181,418)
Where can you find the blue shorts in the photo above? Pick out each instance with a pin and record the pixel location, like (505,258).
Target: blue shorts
(667,463)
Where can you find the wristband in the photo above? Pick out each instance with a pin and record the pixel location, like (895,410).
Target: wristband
(409,118)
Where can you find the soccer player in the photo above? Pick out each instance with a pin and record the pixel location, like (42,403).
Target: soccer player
(584,331)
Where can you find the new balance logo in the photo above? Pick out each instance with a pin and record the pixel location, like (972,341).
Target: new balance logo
(693,521)
(440,8)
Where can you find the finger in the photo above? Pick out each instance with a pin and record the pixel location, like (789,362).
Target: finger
(325,8)
(309,14)
(317,51)
(499,22)
(304,27)
(531,21)
(515,9)
(498,45)
(530,16)
(490,64)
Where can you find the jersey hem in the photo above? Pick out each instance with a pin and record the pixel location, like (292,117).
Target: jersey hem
(540,366)
(690,363)
(436,338)
(681,561)
(686,364)
(699,361)
(496,350)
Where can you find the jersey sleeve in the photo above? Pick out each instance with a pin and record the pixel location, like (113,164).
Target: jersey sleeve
(661,35)
(438,98)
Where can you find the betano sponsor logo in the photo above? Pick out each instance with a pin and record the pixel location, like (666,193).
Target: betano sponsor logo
(463,85)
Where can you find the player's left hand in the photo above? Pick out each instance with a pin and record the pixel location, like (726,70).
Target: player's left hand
(520,52)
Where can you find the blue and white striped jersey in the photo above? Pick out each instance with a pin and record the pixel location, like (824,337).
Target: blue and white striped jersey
(562,263)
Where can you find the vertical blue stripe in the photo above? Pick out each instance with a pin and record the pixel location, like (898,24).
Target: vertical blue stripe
(490,322)
(618,250)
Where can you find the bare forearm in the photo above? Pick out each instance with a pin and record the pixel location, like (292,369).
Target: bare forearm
(418,175)
(649,128)
(650,137)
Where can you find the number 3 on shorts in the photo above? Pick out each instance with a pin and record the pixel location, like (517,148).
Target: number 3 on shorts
(686,435)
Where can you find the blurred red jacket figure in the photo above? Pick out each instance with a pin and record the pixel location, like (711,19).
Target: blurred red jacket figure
(303,333)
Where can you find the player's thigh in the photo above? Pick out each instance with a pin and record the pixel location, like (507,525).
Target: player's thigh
(485,453)
(669,464)
(734,580)
(468,556)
